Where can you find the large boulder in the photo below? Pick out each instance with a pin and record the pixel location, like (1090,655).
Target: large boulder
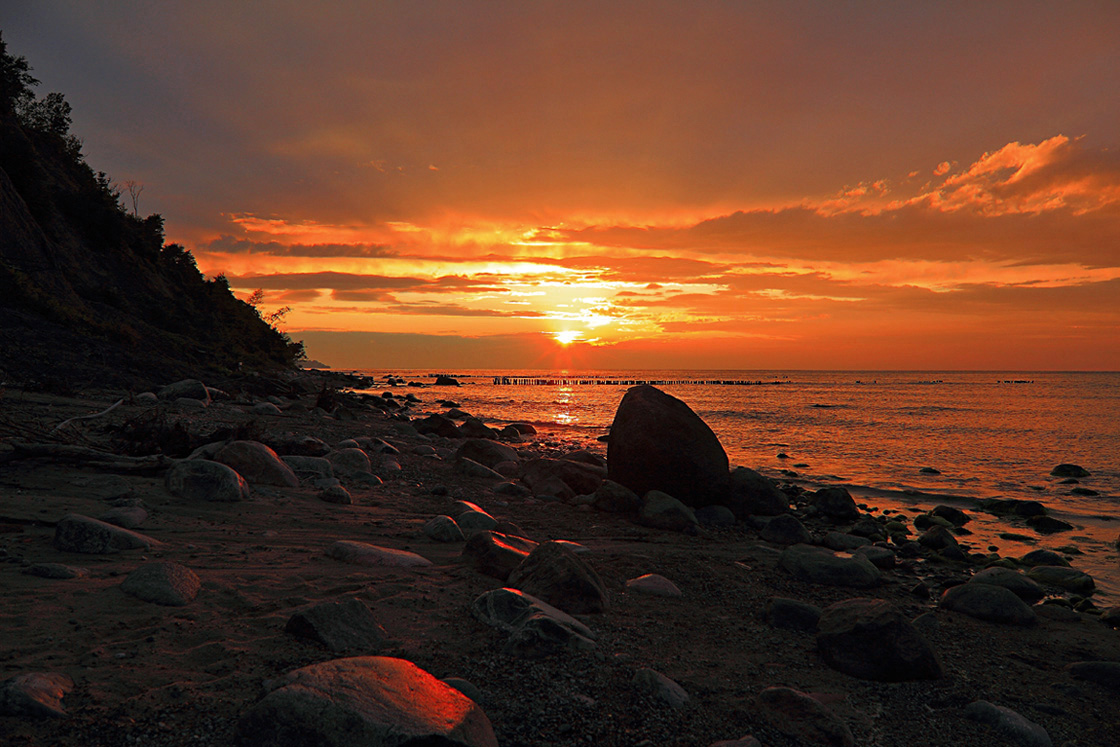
(257,463)
(870,639)
(658,443)
(555,574)
(368,700)
(203,480)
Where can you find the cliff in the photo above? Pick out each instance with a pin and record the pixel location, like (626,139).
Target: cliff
(90,293)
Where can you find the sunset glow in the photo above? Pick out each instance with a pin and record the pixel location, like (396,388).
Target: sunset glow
(763,185)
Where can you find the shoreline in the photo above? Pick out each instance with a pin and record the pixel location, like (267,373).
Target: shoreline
(166,674)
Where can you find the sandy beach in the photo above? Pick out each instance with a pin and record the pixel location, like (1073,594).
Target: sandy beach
(154,674)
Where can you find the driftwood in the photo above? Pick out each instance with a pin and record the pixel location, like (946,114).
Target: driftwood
(89,457)
(66,422)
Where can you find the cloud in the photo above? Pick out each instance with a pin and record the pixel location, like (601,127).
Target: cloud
(233,245)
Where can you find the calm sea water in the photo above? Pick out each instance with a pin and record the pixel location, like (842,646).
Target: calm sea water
(989,434)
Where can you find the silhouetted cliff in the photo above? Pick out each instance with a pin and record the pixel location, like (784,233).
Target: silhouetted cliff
(89,292)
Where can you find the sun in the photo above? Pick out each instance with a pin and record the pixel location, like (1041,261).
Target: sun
(567,336)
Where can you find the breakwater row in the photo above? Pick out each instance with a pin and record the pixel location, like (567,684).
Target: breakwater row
(595,381)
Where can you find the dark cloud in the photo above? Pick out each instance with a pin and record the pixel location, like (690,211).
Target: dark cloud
(343,281)
(232,245)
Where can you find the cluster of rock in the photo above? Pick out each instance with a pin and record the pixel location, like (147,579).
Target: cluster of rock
(665,470)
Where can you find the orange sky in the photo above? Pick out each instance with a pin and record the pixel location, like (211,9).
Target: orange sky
(654,185)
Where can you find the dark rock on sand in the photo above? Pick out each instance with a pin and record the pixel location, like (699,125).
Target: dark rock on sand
(988,602)
(486,452)
(654,683)
(443,529)
(368,700)
(658,443)
(350,459)
(1008,723)
(844,542)
(941,540)
(653,584)
(1015,581)
(835,503)
(614,498)
(663,511)
(495,554)
(437,425)
(870,639)
(309,467)
(346,625)
(1070,470)
(56,571)
(556,575)
(542,635)
(163,582)
(188,388)
(880,557)
(128,517)
(820,566)
(578,477)
(336,494)
(792,614)
(77,533)
(475,520)
(471,468)
(507,609)
(715,516)
(34,694)
(203,480)
(474,428)
(754,494)
(785,529)
(257,463)
(803,718)
(363,553)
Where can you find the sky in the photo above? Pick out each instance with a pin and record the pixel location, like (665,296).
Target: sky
(657,185)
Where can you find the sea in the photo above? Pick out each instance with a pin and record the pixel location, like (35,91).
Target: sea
(898,441)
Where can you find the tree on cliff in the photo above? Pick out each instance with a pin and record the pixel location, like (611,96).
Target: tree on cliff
(84,283)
